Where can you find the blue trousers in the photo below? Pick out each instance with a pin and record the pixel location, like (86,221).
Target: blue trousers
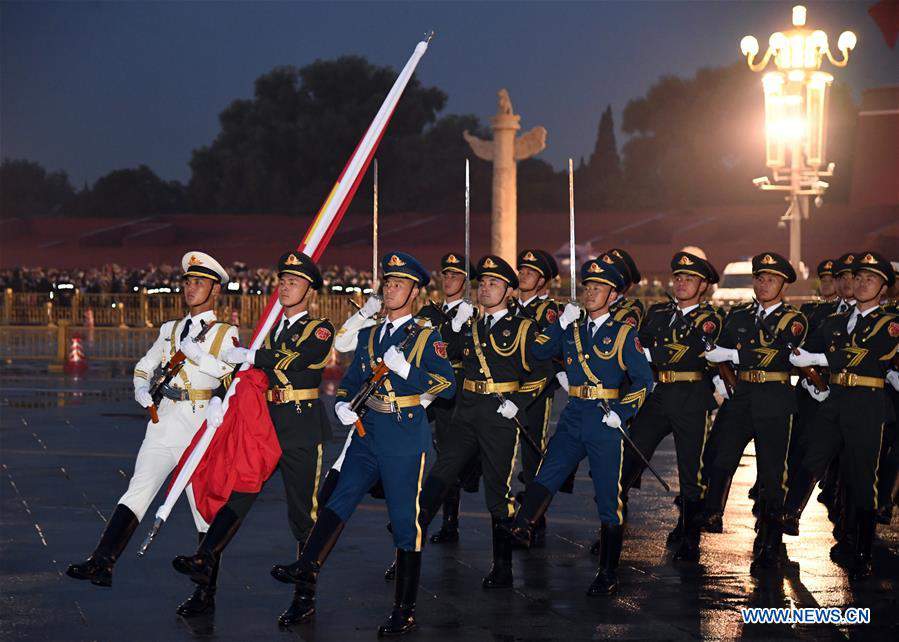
(401,476)
(581,433)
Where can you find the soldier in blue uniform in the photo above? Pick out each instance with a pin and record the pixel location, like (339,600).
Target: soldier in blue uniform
(598,353)
(396,444)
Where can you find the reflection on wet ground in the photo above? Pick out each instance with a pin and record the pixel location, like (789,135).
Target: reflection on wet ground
(67,452)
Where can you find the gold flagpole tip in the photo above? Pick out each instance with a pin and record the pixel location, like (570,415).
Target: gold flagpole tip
(429,36)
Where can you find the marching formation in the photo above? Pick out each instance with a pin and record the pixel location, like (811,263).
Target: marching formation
(816,388)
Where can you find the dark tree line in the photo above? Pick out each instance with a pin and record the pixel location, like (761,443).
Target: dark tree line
(690,141)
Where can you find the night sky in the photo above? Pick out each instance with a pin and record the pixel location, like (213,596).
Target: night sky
(92,87)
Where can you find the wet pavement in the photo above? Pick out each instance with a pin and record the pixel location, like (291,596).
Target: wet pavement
(67,449)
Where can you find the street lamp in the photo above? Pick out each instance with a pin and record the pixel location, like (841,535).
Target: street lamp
(796,97)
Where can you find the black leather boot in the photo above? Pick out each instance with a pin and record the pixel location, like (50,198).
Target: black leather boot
(688,551)
(302,607)
(327,487)
(802,484)
(771,537)
(402,619)
(533,507)
(202,600)
(864,538)
(315,551)
(98,567)
(449,529)
(677,533)
(716,500)
(500,575)
(201,565)
(611,538)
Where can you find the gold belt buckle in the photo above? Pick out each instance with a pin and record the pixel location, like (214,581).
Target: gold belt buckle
(276,395)
(665,376)
(480,387)
(589,392)
(758,376)
(851,379)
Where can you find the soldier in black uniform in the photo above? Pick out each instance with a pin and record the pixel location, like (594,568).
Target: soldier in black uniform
(888,472)
(857,347)
(501,378)
(759,341)
(626,309)
(536,269)
(452,268)
(674,337)
(294,356)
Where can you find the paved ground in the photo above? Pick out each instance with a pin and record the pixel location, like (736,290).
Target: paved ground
(67,452)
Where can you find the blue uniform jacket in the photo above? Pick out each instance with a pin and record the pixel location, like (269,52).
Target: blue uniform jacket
(612,353)
(430,372)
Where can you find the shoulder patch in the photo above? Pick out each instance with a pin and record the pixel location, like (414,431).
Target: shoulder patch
(440,349)
(708,327)
(796,328)
(631,321)
(551,315)
(323,334)
(893,329)
(637,344)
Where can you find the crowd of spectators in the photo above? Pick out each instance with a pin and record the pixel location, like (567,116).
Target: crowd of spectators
(115,279)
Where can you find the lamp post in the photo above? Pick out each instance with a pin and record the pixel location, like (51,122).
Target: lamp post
(796,97)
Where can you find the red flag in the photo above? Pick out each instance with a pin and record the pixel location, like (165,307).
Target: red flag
(244,451)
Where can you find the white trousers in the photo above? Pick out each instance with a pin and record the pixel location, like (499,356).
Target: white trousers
(160,452)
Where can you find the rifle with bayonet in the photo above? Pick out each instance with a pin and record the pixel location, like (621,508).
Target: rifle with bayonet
(371,386)
(164,374)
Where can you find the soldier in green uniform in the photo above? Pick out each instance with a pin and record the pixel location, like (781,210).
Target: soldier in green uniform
(293,356)
(674,337)
(857,347)
(502,377)
(759,341)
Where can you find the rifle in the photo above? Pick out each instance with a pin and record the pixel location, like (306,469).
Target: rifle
(726,372)
(164,374)
(604,405)
(807,371)
(370,387)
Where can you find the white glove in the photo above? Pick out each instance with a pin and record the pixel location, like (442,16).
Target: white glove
(238,355)
(142,395)
(804,359)
(463,313)
(507,409)
(612,420)
(562,377)
(395,360)
(720,355)
(893,379)
(720,388)
(346,416)
(426,399)
(215,413)
(648,354)
(570,314)
(371,306)
(816,394)
(192,350)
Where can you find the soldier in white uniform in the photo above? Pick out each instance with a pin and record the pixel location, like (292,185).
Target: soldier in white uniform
(187,399)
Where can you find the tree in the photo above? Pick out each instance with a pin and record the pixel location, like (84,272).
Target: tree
(281,151)
(131,193)
(27,189)
(601,177)
(700,140)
